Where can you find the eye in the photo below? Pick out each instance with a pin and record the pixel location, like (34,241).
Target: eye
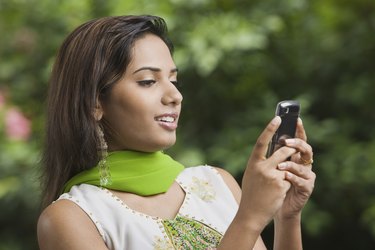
(176,83)
(146,83)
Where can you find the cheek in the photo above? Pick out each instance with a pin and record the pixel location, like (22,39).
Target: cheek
(131,109)
(131,117)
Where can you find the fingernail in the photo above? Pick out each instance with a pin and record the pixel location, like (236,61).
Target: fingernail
(289,175)
(276,120)
(282,165)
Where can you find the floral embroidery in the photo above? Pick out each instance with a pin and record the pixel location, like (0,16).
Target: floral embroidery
(203,189)
(162,244)
(186,233)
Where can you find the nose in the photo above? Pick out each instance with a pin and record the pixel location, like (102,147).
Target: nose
(171,95)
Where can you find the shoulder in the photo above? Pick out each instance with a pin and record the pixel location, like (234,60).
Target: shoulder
(63,225)
(231,182)
(228,179)
(210,171)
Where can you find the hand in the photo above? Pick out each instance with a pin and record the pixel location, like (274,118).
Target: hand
(264,187)
(299,173)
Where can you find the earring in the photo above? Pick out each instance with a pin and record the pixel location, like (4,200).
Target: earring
(104,171)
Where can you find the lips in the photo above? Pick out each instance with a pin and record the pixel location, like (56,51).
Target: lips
(167,121)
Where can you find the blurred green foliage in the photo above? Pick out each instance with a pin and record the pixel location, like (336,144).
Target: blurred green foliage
(237,59)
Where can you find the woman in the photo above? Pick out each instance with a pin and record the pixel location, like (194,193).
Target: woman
(113,107)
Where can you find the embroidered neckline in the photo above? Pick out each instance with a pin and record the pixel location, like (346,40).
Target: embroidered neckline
(158,218)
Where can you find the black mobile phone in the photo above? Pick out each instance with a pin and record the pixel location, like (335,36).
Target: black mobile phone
(289,112)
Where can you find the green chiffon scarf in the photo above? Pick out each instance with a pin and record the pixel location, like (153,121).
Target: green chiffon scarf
(133,172)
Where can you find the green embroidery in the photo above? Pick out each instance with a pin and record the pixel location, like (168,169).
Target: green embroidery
(186,233)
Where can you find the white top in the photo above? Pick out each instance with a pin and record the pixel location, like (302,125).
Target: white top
(206,212)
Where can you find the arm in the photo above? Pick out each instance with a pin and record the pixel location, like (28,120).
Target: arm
(263,191)
(272,189)
(63,225)
(237,229)
(299,173)
(288,233)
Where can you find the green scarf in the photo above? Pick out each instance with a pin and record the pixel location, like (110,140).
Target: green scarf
(134,172)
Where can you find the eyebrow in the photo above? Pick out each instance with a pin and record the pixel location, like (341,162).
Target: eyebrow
(154,69)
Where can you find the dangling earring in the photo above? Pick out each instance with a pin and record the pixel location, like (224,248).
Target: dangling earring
(104,171)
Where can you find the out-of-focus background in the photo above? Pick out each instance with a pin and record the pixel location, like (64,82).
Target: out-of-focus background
(237,59)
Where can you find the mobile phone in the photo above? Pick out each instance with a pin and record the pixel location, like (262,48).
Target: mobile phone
(289,112)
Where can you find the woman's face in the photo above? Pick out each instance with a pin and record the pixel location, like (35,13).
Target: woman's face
(143,108)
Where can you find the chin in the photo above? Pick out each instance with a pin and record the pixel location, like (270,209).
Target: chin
(166,144)
(156,146)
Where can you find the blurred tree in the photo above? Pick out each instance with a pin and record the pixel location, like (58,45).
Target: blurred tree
(237,59)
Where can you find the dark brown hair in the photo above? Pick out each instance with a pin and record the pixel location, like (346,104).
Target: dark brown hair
(90,61)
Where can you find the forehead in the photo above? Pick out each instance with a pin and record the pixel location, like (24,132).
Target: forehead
(151,50)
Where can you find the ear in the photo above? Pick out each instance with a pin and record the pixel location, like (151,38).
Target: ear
(98,112)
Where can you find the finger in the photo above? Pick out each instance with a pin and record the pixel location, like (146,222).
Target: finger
(304,185)
(307,162)
(299,144)
(300,130)
(265,137)
(306,154)
(305,150)
(281,155)
(297,169)
(286,184)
